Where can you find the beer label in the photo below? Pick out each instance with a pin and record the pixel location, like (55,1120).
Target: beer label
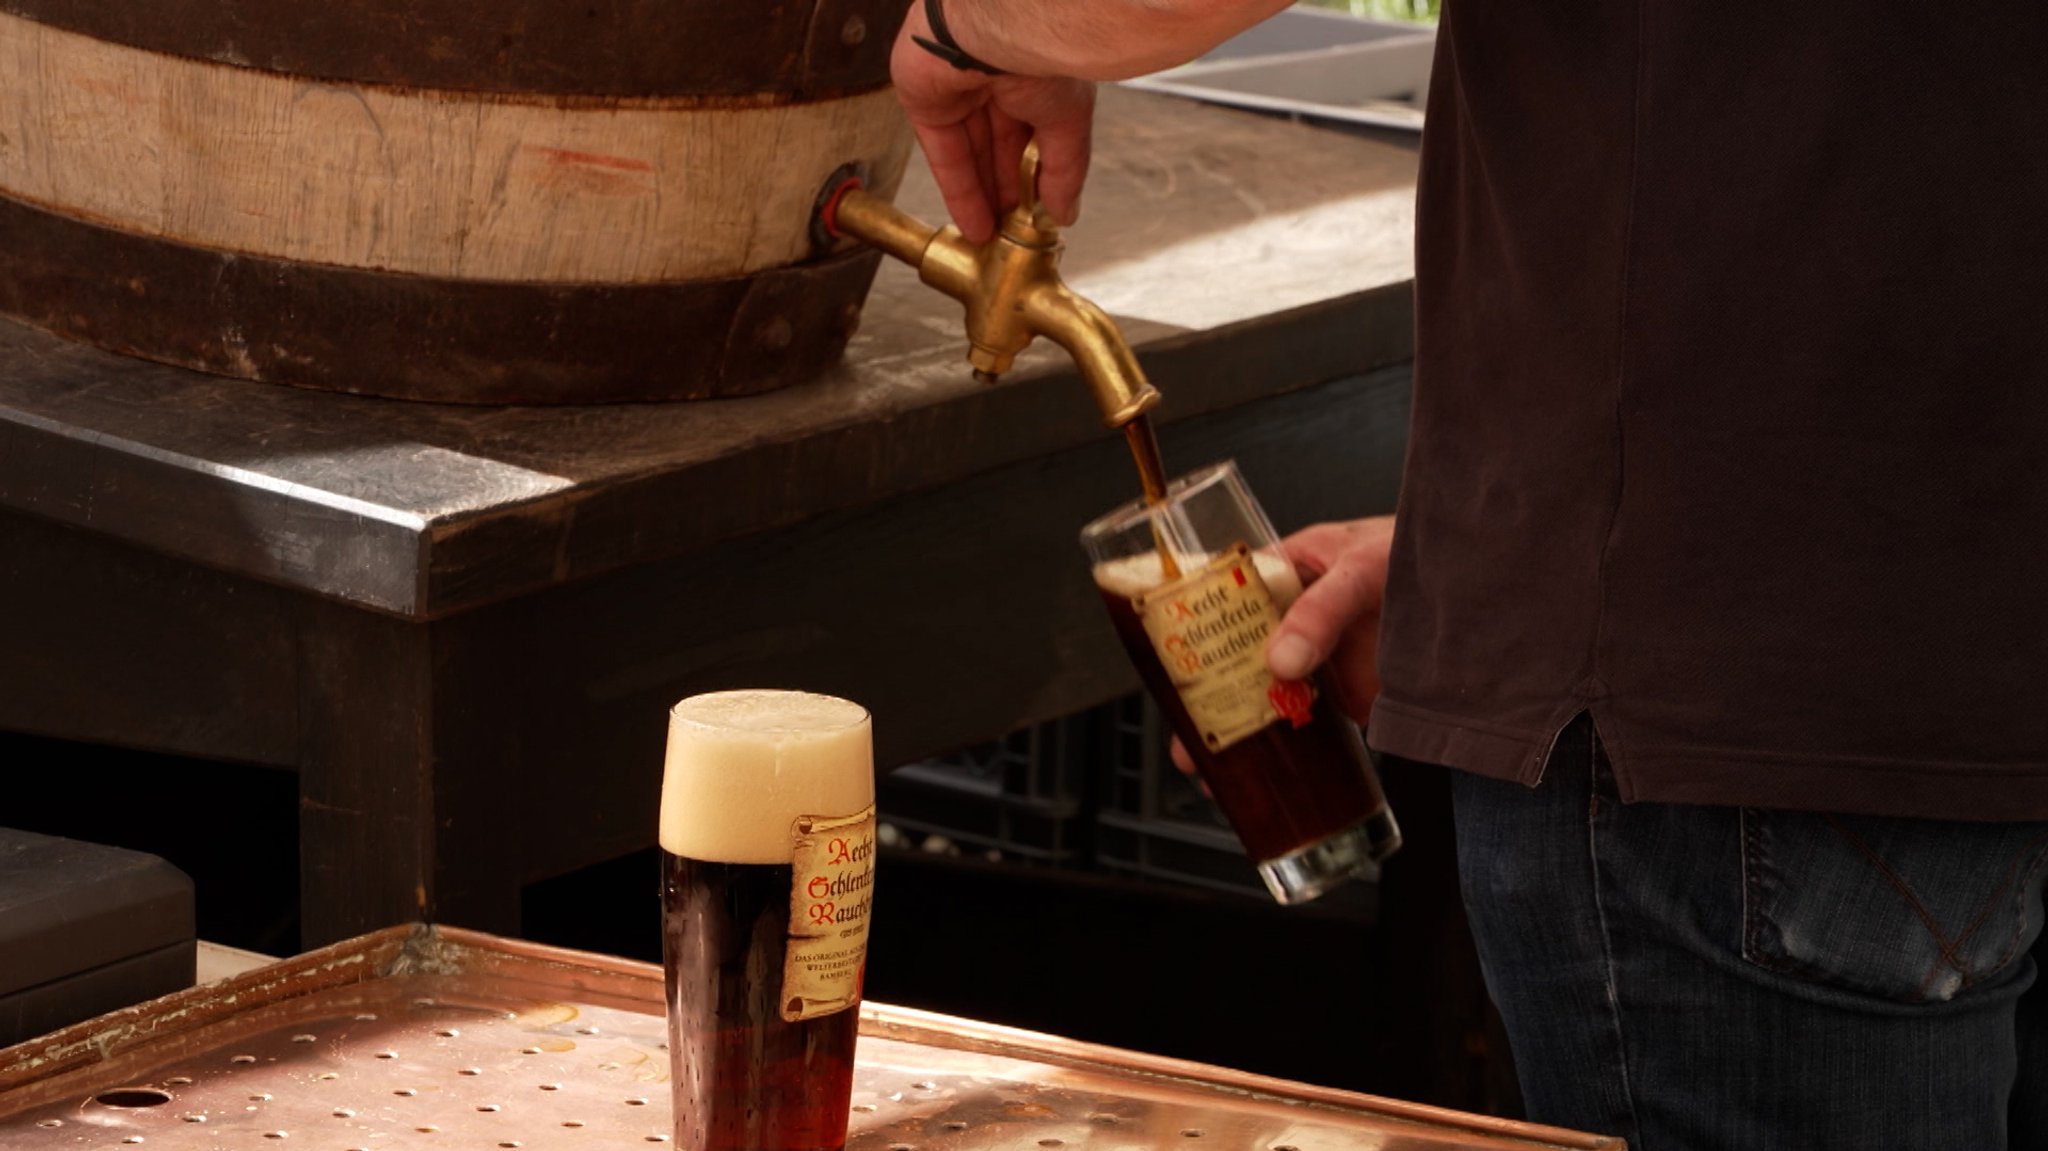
(833,886)
(1209,630)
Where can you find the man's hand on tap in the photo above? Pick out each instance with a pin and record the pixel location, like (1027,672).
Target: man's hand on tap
(973,126)
(1336,619)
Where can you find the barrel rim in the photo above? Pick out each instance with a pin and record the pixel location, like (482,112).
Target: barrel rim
(411,337)
(628,48)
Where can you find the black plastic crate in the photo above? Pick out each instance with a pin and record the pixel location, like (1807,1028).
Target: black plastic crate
(1095,791)
(1156,823)
(1024,796)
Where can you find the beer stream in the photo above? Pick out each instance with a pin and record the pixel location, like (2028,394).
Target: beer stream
(1152,474)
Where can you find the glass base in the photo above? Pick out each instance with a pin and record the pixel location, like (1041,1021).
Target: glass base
(1352,853)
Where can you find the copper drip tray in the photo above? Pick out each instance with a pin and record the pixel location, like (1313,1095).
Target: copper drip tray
(421,1037)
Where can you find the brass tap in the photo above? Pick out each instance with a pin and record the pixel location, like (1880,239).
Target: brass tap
(1010,285)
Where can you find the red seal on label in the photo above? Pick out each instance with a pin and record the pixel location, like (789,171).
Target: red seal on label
(1291,699)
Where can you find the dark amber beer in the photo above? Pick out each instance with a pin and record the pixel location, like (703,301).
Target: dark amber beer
(1194,584)
(768,853)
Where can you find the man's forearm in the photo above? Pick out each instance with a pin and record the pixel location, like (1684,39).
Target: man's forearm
(1096,39)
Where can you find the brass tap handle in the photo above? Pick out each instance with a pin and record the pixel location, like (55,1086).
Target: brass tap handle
(1029,224)
(1027,178)
(1010,286)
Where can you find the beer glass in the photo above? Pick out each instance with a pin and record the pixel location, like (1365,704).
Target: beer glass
(768,854)
(1194,584)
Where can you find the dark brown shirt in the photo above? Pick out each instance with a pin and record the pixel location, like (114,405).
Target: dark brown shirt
(1731,404)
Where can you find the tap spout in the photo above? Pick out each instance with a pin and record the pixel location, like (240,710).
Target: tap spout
(1099,349)
(1010,286)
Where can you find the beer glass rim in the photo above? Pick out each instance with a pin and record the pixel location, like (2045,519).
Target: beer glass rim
(856,714)
(1125,516)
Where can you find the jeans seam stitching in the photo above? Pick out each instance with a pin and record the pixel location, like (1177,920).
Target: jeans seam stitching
(2012,872)
(1753,902)
(1752,884)
(1949,956)
(1613,988)
(2019,897)
(1754,860)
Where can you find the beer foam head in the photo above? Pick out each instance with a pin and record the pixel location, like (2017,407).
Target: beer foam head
(1142,572)
(1131,574)
(744,765)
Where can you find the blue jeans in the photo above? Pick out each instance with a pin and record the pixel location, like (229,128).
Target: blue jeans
(1695,978)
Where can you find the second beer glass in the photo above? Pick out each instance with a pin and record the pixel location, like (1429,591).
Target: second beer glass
(1194,585)
(768,851)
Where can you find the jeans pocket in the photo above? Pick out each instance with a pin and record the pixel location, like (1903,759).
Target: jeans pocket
(1907,910)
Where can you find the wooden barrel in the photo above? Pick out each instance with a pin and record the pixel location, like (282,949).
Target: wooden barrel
(487,201)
